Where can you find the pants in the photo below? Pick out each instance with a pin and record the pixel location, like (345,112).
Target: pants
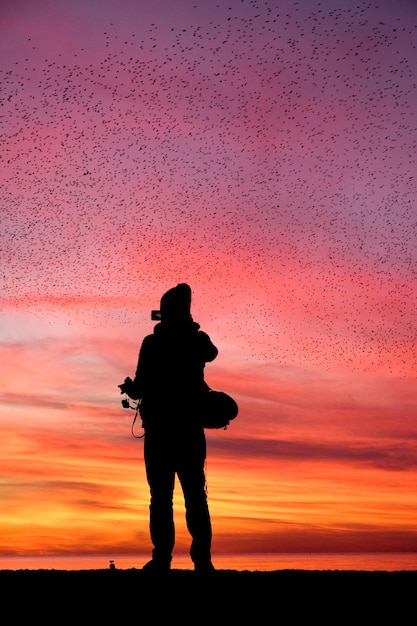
(167,455)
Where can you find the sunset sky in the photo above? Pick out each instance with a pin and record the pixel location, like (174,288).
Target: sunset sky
(264,151)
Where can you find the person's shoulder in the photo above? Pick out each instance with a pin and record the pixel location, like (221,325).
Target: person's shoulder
(202,333)
(205,338)
(148,339)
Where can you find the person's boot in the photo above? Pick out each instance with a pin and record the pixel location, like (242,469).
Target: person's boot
(157,566)
(204,567)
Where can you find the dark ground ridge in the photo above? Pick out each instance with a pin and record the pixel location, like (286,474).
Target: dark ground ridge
(121,596)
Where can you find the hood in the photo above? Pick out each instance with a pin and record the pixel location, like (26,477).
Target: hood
(176,305)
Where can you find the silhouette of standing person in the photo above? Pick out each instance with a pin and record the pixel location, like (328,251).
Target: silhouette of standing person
(170,381)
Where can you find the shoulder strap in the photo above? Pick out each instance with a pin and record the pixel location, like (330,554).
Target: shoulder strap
(126,404)
(133,423)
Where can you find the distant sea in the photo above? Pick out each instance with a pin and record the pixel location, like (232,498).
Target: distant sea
(389,562)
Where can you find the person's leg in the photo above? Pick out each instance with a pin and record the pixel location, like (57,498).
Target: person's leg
(192,478)
(161,477)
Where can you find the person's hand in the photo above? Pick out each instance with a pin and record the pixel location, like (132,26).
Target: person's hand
(126,386)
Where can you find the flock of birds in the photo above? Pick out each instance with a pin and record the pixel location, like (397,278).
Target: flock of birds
(266,157)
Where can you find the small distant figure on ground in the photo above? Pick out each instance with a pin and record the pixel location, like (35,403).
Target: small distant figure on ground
(169,383)
(112,565)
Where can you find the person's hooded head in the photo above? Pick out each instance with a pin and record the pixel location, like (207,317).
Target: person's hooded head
(175,305)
